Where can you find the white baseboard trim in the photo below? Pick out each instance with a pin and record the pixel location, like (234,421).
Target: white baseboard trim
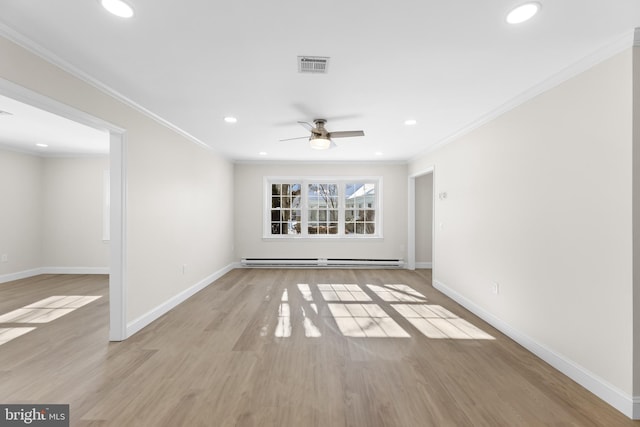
(10,277)
(144,320)
(52,270)
(629,406)
(424,265)
(74,270)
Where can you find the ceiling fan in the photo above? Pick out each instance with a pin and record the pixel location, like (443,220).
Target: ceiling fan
(320,137)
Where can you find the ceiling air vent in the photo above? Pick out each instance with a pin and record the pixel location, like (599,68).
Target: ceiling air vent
(313,64)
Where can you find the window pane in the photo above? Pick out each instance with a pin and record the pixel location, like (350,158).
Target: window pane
(294,227)
(275,189)
(285,189)
(359,228)
(275,202)
(333,228)
(286,202)
(322,215)
(284,228)
(349,215)
(313,215)
(286,215)
(313,228)
(370,215)
(295,202)
(370,228)
(275,215)
(333,215)
(275,228)
(349,228)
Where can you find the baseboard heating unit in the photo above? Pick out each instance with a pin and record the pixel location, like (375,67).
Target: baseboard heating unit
(322,262)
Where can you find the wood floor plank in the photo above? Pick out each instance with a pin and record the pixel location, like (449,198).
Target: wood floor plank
(215,360)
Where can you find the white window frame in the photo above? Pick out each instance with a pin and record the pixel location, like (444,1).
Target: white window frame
(305,181)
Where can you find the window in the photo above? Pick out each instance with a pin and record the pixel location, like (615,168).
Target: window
(360,211)
(322,207)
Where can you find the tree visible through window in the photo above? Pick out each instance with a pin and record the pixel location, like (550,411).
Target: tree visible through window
(323,208)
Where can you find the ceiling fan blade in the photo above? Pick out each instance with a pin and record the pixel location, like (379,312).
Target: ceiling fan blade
(307,126)
(291,139)
(346,134)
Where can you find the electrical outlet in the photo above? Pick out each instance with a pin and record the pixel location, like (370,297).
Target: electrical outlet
(495,288)
(4,258)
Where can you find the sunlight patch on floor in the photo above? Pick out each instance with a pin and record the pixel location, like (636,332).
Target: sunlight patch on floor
(43,311)
(397,293)
(365,320)
(48,309)
(355,314)
(434,321)
(7,334)
(343,292)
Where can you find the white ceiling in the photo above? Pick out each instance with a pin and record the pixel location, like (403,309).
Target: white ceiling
(447,64)
(25,126)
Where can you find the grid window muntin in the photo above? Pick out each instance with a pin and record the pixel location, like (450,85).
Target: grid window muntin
(285,203)
(326,207)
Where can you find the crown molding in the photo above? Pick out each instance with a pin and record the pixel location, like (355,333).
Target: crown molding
(45,54)
(627,40)
(276,162)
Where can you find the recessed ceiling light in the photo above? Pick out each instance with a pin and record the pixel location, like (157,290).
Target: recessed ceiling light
(410,122)
(523,13)
(230,119)
(263,153)
(41,145)
(378,153)
(118,8)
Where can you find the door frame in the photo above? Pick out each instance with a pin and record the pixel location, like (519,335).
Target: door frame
(117,173)
(411,221)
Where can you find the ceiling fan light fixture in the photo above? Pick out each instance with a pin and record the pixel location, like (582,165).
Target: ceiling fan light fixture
(320,142)
(118,8)
(523,13)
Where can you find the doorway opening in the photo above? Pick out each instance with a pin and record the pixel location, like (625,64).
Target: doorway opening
(421,250)
(116,200)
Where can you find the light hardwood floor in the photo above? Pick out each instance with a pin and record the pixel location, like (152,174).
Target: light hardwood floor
(216,361)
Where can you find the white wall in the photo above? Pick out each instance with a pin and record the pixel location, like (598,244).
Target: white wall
(424,220)
(539,200)
(20,212)
(72,212)
(249,213)
(179,195)
(51,216)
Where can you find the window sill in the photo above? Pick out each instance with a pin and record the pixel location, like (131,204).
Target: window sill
(317,237)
